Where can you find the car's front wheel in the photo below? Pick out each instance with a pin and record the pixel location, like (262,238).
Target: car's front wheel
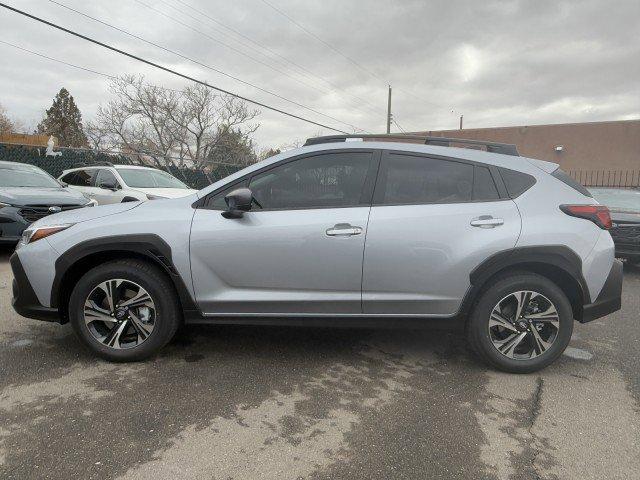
(124,310)
(521,323)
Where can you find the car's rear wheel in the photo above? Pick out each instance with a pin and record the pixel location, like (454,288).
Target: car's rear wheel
(520,324)
(124,310)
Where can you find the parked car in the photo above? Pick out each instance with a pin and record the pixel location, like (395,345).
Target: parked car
(124,183)
(27,194)
(340,233)
(624,204)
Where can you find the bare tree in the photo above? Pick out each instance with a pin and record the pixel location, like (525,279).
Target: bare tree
(169,126)
(6,124)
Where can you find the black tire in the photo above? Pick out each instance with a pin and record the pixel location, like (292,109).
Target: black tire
(156,284)
(477,327)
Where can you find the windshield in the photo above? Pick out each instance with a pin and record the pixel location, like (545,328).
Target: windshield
(147,178)
(618,199)
(26,177)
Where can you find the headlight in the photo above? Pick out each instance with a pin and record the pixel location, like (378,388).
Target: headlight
(155,197)
(2,205)
(31,235)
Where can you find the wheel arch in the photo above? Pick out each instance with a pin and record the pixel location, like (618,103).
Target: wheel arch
(557,263)
(78,260)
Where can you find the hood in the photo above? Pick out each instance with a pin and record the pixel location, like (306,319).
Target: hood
(84,214)
(21,196)
(168,192)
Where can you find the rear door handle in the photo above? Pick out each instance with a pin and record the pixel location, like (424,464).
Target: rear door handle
(486,221)
(343,230)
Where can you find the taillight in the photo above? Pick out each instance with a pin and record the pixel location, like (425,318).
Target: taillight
(598,214)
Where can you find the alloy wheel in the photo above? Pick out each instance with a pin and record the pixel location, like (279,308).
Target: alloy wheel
(119,313)
(524,325)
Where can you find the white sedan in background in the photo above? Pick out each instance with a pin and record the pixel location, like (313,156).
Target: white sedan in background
(124,183)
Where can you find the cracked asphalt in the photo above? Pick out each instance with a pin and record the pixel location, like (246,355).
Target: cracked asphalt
(289,403)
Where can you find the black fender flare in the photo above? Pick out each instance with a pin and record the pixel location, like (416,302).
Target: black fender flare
(148,246)
(555,256)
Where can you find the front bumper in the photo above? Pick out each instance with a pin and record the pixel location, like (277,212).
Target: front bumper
(610,298)
(25,302)
(11,225)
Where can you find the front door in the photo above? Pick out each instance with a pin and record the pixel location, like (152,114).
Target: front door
(102,192)
(299,250)
(432,222)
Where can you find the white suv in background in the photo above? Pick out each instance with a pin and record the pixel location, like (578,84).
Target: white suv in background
(124,183)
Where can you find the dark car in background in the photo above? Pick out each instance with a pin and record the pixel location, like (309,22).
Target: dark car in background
(624,205)
(27,194)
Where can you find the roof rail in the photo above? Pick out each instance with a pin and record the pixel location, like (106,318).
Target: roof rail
(503,148)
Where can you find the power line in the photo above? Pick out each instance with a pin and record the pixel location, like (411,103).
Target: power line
(307,72)
(173,52)
(347,57)
(57,60)
(166,69)
(240,52)
(327,44)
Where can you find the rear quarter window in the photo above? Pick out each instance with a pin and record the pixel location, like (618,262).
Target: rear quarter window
(567,180)
(516,182)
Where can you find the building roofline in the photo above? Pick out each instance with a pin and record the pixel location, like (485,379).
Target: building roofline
(423,132)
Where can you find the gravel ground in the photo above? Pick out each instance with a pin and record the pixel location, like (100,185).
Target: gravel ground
(247,402)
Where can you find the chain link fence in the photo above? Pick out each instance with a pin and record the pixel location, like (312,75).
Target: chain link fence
(66,158)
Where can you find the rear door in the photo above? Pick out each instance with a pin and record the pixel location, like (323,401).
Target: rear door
(299,250)
(433,220)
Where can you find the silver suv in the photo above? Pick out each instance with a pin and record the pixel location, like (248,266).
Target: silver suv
(337,232)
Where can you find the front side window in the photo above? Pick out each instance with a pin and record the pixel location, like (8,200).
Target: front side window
(412,179)
(217,201)
(323,181)
(105,177)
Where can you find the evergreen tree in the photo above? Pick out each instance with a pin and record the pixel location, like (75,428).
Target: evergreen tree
(64,121)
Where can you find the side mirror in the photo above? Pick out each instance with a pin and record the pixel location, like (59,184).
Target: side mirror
(109,186)
(238,202)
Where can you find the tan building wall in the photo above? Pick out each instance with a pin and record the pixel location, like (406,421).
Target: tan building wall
(26,139)
(585,146)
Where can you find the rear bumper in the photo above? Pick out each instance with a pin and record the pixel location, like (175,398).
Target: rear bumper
(25,302)
(610,298)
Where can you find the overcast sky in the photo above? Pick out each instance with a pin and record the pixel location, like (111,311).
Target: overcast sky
(497,62)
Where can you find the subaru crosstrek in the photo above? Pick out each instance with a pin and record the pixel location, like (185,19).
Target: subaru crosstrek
(341,232)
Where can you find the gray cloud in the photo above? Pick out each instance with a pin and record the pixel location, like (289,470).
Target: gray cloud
(496,62)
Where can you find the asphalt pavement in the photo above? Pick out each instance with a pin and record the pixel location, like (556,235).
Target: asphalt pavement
(289,403)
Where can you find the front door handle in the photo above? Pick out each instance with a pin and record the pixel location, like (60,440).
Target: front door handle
(486,221)
(343,230)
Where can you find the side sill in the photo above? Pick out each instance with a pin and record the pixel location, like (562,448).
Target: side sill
(343,321)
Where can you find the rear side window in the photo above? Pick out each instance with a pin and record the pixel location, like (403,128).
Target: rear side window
(516,182)
(411,179)
(484,188)
(80,178)
(567,180)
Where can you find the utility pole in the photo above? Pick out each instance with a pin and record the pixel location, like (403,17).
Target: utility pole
(389,111)
(461,117)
